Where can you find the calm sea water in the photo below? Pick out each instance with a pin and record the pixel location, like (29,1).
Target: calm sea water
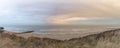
(53,28)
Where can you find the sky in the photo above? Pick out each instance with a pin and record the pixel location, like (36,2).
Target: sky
(46,12)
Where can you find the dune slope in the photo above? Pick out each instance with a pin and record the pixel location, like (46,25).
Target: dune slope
(107,39)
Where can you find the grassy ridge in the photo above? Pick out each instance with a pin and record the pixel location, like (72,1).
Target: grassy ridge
(107,39)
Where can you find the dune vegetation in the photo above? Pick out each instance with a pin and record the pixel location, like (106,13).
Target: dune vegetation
(107,39)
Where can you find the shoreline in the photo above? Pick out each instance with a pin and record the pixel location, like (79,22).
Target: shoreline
(58,36)
(109,38)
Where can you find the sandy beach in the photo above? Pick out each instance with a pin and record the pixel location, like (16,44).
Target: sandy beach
(93,29)
(59,36)
(109,38)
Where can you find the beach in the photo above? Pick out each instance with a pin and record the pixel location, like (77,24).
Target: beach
(106,39)
(54,35)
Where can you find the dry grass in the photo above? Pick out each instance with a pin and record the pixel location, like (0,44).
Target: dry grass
(107,39)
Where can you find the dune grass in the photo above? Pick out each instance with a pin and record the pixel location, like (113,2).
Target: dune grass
(107,39)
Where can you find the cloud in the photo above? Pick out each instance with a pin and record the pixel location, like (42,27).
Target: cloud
(58,12)
(96,10)
(25,11)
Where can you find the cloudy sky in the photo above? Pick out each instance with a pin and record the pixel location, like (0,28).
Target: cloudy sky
(41,12)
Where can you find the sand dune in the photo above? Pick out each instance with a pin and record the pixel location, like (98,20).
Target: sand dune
(59,36)
(106,39)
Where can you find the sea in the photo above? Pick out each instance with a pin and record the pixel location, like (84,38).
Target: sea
(60,28)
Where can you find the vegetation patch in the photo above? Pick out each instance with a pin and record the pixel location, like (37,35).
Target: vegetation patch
(107,39)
